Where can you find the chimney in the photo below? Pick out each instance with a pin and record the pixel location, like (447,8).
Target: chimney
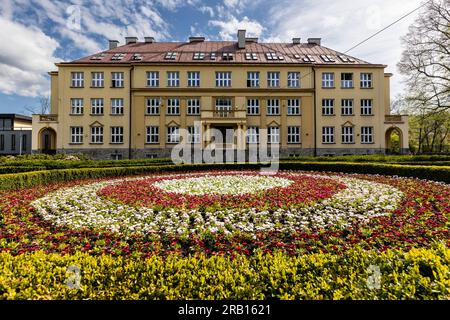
(196,39)
(149,39)
(129,40)
(241,39)
(315,41)
(295,40)
(113,44)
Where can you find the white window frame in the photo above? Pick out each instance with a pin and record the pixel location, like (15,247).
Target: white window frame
(193,106)
(223,78)
(345,83)
(328,80)
(293,79)
(117,107)
(173,78)
(116,135)
(77,79)
(253,79)
(293,106)
(348,135)
(327,135)
(293,135)
(328,107)
(152,136)
(273,134)
(96,135)
(193,134)
(152,78)
(366,80)
(97,106)
(367,136)
(273,107)
(76,106)
(253,106)
(153,106)
(347,107)
(193,78)
(173,134)
(366,107)
(98,79)
(76,135)
(173,106)
(273,79)
(117,79)
(252,135)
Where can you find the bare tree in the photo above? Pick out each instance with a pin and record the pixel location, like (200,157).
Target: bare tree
(43,106)
(426,58)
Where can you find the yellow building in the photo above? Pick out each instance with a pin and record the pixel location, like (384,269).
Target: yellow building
(143,98)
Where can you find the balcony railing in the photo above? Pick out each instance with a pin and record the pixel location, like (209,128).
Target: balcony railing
(48,118)
(224,114)
(395,118)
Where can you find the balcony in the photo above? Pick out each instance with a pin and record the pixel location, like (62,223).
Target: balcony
(391,118)
(225,114)
(46,117)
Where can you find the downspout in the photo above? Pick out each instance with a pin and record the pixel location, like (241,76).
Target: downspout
(130,137)
(315,109)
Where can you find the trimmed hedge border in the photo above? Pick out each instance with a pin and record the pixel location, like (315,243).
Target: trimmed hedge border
(417,274)
(29,179)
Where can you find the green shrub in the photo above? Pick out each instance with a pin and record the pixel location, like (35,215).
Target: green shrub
(417,274)
(373,158)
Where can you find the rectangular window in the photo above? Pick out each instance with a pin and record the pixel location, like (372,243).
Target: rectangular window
(24,142)
(116,156)
(117,106)
(366,134)
(347,107)
(96,134)
(77,79)
(173,79)
(13,142)
(2,142)
(76,106)
(327,80)
(252,134)
(252,79)
(193,106)
(273,107)
(116,134)
(173,106)
(273,135)
(347,135)
(194,134)
(273,79)
(327,107)
(117,80)
(76,135)
(252,106)
(293,107)
(327,134)
(366,80)
(193,79)
(97,80)
(293,135)
(152,79)
(152,134)
(173,135)
(97,106)
(366,107)
(223,79)
(347,80)
(153,105)
(293,79)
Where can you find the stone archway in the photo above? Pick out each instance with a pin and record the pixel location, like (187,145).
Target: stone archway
(394,145)
(47,141)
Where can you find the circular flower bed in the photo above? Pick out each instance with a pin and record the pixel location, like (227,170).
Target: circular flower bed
(88,207)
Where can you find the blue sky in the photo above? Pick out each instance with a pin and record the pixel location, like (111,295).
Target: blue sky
(37,33)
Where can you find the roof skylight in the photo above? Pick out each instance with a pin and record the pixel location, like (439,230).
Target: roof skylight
(171,55)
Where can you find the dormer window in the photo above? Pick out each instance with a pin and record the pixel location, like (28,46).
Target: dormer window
(227,56)
(171,56)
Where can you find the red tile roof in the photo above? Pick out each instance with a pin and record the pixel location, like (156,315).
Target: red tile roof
(155,53)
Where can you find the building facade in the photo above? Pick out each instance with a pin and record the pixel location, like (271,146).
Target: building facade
(143,98)
(15,134)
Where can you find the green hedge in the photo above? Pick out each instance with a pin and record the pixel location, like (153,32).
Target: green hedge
(373,158)
(417,274)
(28,179)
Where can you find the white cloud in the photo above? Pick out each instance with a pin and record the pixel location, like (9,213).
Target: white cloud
(26,59)
(206,9)
(228,29)
(341,27)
